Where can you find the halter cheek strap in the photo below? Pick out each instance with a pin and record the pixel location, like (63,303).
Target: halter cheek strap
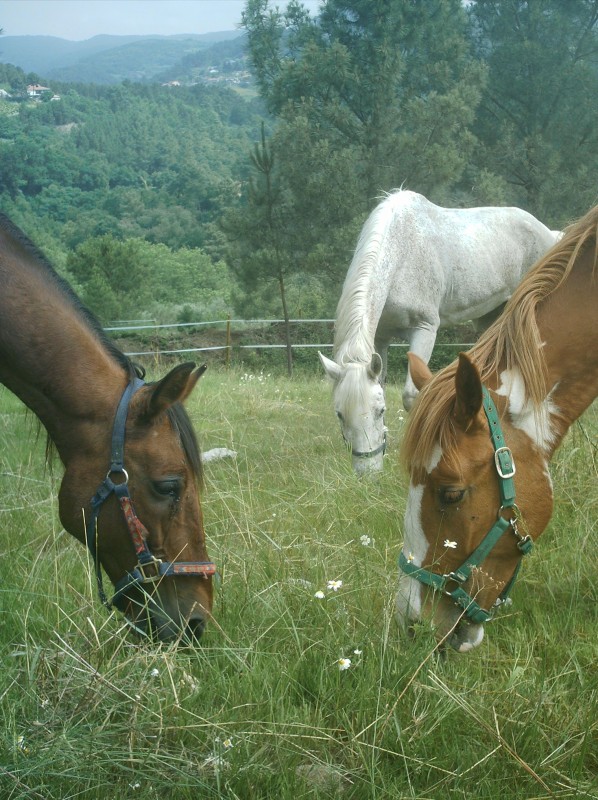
(452,583)
(148,569)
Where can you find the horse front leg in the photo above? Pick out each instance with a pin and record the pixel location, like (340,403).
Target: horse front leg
(421,342)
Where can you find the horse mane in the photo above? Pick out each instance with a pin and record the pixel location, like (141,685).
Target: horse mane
(177,415)
(353,341)
(512,342)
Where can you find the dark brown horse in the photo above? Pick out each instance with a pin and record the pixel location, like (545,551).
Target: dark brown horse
(88,395)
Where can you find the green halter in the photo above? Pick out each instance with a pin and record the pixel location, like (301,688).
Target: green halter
(505,468)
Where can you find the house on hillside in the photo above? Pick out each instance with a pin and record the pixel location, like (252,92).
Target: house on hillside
(35,90)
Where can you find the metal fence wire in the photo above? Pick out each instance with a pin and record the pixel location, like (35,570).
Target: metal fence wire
(147,326)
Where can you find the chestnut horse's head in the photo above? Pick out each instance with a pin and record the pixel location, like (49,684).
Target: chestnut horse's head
(479,494)
(144,522)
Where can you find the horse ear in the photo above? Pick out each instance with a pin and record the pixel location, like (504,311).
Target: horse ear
(468,387)
(375,367)
(419,371)
(331,368)
(174,387)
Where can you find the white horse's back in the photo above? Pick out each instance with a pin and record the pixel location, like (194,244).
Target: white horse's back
(426,262)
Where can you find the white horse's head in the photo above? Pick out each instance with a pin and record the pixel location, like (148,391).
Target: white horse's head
(359,406)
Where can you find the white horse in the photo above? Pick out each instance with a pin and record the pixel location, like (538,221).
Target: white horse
(418,267)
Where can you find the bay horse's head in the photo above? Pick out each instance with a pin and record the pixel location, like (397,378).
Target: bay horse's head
(359,406)
(144,522)
(479,494)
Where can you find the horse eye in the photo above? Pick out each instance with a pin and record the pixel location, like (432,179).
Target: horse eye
(170,487)
(340,416)
(449,496)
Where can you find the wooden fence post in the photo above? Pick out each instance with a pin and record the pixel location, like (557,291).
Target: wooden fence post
(228,341)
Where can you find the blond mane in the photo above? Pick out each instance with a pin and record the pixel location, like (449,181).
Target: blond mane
(512,342)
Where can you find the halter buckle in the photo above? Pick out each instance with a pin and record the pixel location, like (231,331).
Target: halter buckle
(151,562)
(456,577)
(500,451)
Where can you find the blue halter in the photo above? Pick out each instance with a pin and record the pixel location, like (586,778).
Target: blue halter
(148,569)
(452,583)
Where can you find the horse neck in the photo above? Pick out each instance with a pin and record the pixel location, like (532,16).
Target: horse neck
(50,357)
(568,327)
(365,290)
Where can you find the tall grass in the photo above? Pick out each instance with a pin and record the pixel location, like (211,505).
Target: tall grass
(261,709)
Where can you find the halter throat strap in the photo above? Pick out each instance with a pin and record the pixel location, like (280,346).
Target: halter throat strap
(148,569)
(452,583)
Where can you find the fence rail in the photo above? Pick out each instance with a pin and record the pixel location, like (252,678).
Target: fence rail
(229,347)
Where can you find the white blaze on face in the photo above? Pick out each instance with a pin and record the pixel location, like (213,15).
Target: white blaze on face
(415,547)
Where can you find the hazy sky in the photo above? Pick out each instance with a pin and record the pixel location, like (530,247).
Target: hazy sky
(82,19)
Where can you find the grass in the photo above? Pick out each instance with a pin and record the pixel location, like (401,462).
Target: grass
(261,709)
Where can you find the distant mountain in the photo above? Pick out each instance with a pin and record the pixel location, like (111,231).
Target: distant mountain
(104,59)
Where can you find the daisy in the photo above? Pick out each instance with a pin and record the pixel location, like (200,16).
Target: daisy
(319,595)
(344,663)
(452,545)
(365,540)
(334,585)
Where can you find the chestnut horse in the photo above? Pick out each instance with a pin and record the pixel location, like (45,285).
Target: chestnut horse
(86,393)
(481,435)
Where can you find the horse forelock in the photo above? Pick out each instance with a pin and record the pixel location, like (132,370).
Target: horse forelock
(180,422)
(513,342)
(351,389)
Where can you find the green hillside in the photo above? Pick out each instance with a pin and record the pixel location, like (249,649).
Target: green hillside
(104,59)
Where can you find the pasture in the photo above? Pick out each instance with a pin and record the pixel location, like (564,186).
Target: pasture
(262,708)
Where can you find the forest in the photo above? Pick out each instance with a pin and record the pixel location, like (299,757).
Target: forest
(192,200)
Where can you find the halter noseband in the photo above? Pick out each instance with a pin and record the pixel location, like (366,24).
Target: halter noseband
(505,468)
(148,569)
(367,453)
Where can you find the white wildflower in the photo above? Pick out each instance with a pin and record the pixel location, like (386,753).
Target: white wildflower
(344,663)
(452,545)
(319,595)
(365,540)
(334,585)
